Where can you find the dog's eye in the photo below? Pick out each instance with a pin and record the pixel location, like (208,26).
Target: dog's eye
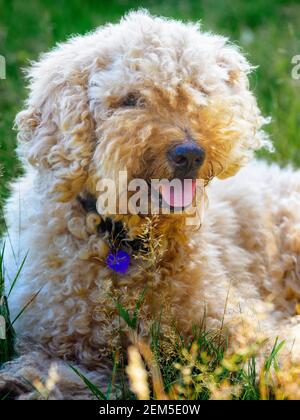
(130,100)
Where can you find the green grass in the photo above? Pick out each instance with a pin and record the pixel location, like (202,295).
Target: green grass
(7,333)
(201,369)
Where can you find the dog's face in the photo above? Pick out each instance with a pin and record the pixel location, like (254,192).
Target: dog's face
(156,98)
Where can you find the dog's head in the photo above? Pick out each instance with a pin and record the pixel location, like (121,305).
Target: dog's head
(155,97)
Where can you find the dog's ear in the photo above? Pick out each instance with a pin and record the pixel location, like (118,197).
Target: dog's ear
(56,128)
(244,134)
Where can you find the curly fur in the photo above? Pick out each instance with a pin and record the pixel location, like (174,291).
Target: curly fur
(73,132)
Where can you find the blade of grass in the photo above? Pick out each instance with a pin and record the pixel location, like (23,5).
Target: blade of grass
(124,314)
(34,388)
(8,235)
(5,396)
(112,380)
(26,306)
(131,322)
(2,271)
(92,387)
(7,351)
(17,275)
(272,358)
(137,308)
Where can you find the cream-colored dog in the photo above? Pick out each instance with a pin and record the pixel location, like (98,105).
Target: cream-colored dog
(159,99)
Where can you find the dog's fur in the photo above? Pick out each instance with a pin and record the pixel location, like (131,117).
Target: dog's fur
(75,131)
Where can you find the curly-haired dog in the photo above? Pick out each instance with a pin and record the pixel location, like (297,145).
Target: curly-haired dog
(159,99)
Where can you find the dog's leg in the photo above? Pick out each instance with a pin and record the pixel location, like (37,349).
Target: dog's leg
(36,375)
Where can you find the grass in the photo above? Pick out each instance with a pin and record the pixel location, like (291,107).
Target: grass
(205,368)
(168,367)
(7,333)
(269,33)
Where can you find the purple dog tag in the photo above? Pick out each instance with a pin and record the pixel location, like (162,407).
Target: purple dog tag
(118,261)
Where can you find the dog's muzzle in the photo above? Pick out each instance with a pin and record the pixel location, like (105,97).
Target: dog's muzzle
(185,159)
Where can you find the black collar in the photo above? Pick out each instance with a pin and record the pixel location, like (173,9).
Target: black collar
(114,232)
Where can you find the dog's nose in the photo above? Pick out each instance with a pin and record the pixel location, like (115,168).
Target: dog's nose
(186,158)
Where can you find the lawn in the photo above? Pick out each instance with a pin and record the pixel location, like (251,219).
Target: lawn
(268,31)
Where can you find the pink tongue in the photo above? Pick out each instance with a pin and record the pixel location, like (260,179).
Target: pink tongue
(181,195)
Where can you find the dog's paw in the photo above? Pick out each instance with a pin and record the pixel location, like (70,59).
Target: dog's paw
(20,377)
(13,387)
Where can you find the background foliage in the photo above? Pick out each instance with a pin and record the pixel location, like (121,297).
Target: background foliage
(267,30)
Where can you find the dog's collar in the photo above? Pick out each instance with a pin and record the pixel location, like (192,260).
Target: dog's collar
(115,233)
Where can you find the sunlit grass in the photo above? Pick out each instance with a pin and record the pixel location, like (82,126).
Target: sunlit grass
(201,369)
(169,366)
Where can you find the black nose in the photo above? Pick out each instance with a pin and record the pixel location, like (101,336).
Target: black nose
(186,158)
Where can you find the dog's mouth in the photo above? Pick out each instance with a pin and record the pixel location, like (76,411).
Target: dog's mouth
(177,196)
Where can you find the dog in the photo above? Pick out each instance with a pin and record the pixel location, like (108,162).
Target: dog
(160,99)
